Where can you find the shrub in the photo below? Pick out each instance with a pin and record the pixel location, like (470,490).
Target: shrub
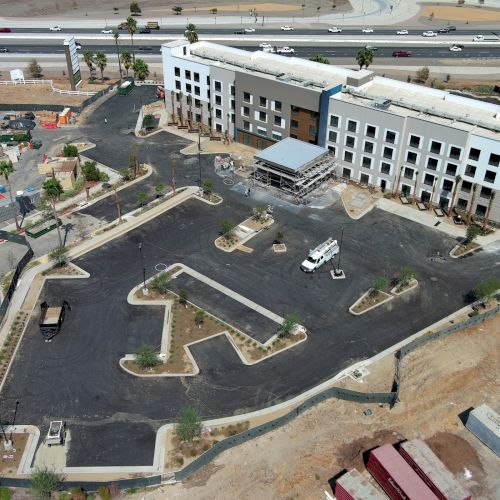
(192,452)
(183,296)
(406,275)
(43,482)
(161,282)
(104,493)
(146,356)
(90,171)
(70,151)
(5,493)
(199,317)
(380,284)
(207,186)
(189,425)
(289,323)
(58,256)
(486,288)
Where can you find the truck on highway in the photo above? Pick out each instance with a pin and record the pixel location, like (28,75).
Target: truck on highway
(319,255)
(285,50)
(486,38)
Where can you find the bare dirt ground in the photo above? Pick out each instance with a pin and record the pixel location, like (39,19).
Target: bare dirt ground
(455,13)
(439,381)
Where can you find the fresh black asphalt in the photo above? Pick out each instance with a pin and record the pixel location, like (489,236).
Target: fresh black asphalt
(113,416)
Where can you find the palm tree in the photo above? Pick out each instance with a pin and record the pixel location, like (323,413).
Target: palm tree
(53,191)
(396,185)
(172,99)
(132,29)
(189,102)
(488,210)
(364,57)
(101,61)
(88,57)
(415,187)
(116,35)
(181,113)
(458,178)
(319,59)
(190,34)
(126,60)
(6,168)
(432,194)
(473,199)
(141,69)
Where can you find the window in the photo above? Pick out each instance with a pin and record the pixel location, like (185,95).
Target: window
(232,103)
(408,173)
(348,156)
(447,185)
(371,131)
(196,90)
(294,124)
(197,103)
(436,147)
(390,136)
(277,105)
(470,170)
(232,90)
(474,154)
(218,100)
(334,121)
(208,93)
(276,136)
(313,130)
(247,97)
(350,141)
(261,131)
(366,162)
(332,136)
(411,157)
(218,127)
(429,179)
(198,118)
(218,113)
(188,88)
(277,120)
(233,117)
(455,152)
(388,152)
(364,179)
(352,126)
(385,168)
(414,141)
(485,192)
(481,210)
(177,72)
(368,147)
(466,187)
(187,74)
(177,84)
(313,114)
(217,86)
(208,80)
(332,149)
(246,139)
(246,111)
(196,77)
(432,163)
(346,173)
(462,204)
(451,169)
(490,176)
(494,160)
(246,125)
(262,116)
(294,110)
(263,102)
(261,144)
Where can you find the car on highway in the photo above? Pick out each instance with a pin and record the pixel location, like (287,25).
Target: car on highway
(5,30)
(55,28)
(239,32)
(443,30)
(401,53)
(287,28)
(4,49)
(107,31)
(145,31)
(452,28)
(334,30)
(371,47)
(402,32)
(429,33)
(367,30)
(145,48)
(264,45)
(249,30)
(285,50)
(456,48)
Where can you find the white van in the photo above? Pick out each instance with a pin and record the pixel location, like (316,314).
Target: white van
(319,255)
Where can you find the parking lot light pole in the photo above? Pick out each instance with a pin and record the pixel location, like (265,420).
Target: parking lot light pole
(338,271)
(7,445)
(199,156)
(14,420)
(144,289)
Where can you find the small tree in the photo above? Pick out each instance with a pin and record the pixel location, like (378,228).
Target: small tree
(380,284)
(125,173)
(140,69)
(161,282)
(207,186)
(290,321)
(189,425)
(406,276)
(183,297)
(472,233)
(101,62)
(53,190)
(159,187)
(126,60)
(88,57)
(259,212)
(423,74)
(43,482)
(142,197)
(70,151)
(147,121)
(6,169)
(227,227)
(486,288)
(213,11)
(364,57)
(90,171)
(280,235)
(134,8)
(34,69)
(177,10)
(190,33)
(58,256)
(146,357)
(199,317)
(319,59)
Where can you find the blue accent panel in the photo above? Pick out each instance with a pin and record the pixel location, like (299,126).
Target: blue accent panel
(323,112)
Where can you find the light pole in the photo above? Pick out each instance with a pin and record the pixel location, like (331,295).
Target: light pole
(13,420)
(199,155)
(7,445)
(338,271)
(144,289)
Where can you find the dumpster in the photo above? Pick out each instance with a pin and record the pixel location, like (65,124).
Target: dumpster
(126,86)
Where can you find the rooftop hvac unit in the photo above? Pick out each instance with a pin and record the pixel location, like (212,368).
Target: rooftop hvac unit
(382,103)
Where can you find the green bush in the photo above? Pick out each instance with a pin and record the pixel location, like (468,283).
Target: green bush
(406,275)
(43,483)
(146,357)
(199,316)
(289,323)
(380,284)
(486,288)
(90,171)
(5,493)
(183,296)
(161,282)
(189,425)
(70,151)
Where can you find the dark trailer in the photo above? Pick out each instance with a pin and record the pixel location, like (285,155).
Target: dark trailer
(51,319)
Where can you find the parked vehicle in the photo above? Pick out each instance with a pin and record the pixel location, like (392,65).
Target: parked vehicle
(285,50)
(452,28)
(334,30)
(269,50)
(55,28)
(153,25)
(145,48)
(319,255)
(402,32)
(486,38)
(429,33)
(122,26)
(57,433)
(401,53)
(287,28)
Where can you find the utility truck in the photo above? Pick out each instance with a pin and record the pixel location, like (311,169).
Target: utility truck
(319,255)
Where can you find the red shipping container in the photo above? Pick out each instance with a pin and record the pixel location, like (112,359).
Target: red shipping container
(395,476)
(432,471)
(353,486)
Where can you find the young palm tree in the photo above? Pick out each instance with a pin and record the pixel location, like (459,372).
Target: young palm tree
(458,178)
(488,210)
(53,191)
(181,111)
(190,34)
(432,194)
(172,99)
(101,62)
(140,69)
(132,29)
(189,102)
(88,57)
(364,57)
(126,60)
(116,35)
(396,185)
(415,187)
(473,199)
(6,168)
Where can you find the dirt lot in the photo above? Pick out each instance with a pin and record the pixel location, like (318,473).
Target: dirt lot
(455,13)
(439,381)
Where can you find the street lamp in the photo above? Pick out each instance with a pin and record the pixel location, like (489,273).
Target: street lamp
(199,155)
(7,444)
(144,289)
(339,273)
(14,420)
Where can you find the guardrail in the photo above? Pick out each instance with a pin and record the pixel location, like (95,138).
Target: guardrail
(46,82)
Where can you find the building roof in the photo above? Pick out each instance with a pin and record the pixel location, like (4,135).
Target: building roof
(358,486)
(291,154)
(488,417)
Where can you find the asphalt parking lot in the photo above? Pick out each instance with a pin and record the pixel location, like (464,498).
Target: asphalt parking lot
(113,416)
